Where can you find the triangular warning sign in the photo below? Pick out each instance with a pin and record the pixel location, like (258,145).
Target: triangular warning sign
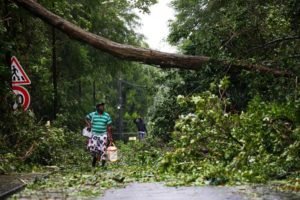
(19,77)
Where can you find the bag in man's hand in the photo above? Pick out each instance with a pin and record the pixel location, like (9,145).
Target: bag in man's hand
(87,132)
(112,153)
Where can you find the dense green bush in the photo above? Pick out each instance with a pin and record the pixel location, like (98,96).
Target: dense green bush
(255,145)
(24,140)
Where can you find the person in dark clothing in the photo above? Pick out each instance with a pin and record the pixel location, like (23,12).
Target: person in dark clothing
(141,128)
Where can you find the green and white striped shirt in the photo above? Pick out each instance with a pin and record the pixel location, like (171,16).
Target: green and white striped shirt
(99,122)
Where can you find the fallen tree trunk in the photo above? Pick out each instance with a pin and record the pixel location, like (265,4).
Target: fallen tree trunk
(128,52)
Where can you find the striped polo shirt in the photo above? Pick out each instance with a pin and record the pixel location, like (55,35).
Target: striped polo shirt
(99,122)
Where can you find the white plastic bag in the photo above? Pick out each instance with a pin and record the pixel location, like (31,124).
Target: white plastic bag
(112,153)
(86,133)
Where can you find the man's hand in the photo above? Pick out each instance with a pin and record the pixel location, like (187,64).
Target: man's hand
(109,130)
(88,124)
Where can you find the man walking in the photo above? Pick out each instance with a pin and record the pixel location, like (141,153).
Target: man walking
(99,122)
(139,122)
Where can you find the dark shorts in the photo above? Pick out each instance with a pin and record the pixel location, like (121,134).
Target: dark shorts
(141,135)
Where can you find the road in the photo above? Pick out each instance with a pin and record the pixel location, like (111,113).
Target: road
(157,191)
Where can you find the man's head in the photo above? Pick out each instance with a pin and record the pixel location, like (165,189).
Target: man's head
(100,107)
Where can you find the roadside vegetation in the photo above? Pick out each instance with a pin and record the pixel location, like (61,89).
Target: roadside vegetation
(220,125)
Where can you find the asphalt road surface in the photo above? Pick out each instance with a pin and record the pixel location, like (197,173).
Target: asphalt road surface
(157,191)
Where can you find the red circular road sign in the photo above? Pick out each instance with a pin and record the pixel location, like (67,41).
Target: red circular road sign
(23,97)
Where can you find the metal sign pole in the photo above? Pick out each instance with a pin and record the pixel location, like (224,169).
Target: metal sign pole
(120,108)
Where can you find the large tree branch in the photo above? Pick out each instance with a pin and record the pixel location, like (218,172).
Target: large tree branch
(275,42)
(127,52)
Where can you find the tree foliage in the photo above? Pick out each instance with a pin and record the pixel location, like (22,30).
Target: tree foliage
(215,126)
(255,145)
(258,31)
(78,68)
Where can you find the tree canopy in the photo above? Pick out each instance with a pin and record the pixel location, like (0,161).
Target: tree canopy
(134,53)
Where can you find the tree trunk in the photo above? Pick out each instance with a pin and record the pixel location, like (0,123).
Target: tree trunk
(127,52)
(79,92)
(94,92)
(54,73)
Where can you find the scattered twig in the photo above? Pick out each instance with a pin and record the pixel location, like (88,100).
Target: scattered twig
(29,151)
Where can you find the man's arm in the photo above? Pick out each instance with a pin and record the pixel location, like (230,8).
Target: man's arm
(88,124)
(109,131)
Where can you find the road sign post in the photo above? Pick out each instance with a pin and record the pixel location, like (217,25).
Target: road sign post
(18,78)
(23,97)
